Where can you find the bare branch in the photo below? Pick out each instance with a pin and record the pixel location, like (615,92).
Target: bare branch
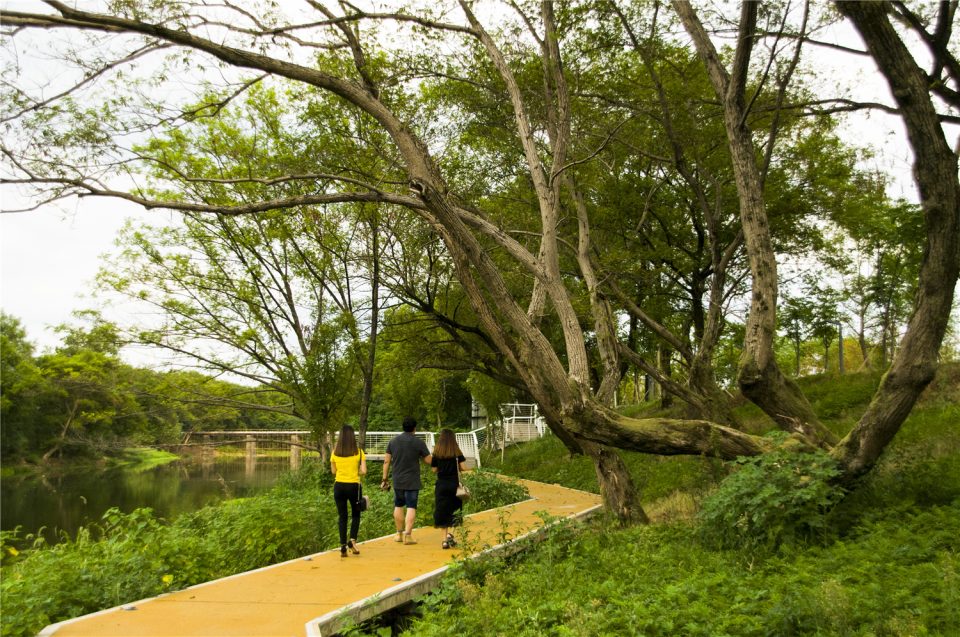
(596,152)
(89,78)
(84,189)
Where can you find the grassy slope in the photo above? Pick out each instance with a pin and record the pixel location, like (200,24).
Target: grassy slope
(894,570)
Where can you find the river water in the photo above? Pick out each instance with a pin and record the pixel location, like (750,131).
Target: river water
(65,501)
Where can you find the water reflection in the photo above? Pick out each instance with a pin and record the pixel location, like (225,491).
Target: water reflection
(69,500)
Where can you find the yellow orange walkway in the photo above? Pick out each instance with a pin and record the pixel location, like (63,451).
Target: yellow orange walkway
(316,595)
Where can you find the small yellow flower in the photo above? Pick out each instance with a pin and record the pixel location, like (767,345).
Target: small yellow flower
(167,579)
(14,552)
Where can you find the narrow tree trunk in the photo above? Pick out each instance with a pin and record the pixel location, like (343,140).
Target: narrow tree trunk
(369,367)
(663,363)
(840,351)
(862,342)
(58,445)
(796,349)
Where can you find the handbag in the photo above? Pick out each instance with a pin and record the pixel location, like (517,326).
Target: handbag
(463,493)
(363,501)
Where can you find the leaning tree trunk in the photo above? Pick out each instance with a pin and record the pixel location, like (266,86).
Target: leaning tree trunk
(760,378)
(716,405)
(617,485)
(935,170)
(620,493)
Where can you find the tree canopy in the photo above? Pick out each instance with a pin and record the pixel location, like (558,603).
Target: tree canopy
(606,181)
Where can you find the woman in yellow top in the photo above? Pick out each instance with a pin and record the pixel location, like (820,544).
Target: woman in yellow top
(348,463)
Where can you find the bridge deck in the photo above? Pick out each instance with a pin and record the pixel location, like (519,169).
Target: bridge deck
(314,595)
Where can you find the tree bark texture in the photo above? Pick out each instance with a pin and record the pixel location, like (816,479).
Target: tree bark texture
(620,495)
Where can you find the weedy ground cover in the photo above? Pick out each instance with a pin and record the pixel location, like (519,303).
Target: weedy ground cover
(761,547)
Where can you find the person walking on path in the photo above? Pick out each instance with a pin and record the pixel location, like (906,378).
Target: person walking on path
(447,463)
(348,463)
(404,453)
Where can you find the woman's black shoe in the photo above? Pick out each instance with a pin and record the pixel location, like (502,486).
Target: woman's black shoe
(343,550)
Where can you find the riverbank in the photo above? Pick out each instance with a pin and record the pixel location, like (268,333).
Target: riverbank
(129,556)
(130,458)
(57,501)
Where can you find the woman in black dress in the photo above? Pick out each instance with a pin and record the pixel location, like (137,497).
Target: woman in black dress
(447,462)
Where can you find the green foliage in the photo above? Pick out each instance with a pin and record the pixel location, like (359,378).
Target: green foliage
(19,383)
(780,498)
(490,491)
(894,577)
(408,384)
(834,400)
(886,561)
(126,557)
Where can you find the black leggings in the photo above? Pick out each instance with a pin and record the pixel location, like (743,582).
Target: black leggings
(344,492)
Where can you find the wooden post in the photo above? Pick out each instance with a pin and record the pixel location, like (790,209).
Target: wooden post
(251,461)
(294,452)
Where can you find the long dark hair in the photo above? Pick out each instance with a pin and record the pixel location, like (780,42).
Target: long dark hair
(346,443)
(446,445)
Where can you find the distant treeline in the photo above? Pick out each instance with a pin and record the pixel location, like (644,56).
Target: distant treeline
(83,400)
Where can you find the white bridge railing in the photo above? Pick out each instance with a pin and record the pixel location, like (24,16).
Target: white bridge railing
(520,423)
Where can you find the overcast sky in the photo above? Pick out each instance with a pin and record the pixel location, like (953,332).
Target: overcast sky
(48,258)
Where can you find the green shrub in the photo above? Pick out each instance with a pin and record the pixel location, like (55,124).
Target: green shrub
(778,498)
(489,490)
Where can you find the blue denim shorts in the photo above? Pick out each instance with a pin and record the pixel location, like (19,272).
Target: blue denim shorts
(406,499)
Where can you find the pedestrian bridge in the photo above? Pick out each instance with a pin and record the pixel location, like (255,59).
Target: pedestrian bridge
(320,594)
(520,423)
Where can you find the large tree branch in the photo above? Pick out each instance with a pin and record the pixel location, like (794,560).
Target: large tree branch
(668,437)
(937,42)
(657,328)
(673,387)
(737,87)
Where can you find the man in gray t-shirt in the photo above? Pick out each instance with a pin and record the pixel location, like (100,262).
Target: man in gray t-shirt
(405,452)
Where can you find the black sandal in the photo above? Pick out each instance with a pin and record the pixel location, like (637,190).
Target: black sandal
(449,542)
(343,550)
(353,547)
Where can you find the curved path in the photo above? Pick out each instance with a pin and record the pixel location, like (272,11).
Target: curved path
(319,594)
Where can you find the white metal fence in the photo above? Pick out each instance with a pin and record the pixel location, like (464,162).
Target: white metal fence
(519,422)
